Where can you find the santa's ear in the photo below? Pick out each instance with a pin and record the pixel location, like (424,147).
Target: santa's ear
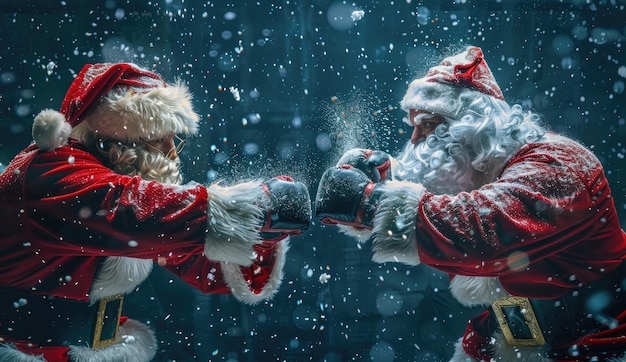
(50,130)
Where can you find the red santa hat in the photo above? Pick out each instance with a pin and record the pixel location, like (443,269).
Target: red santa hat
(452,85)
(121,102)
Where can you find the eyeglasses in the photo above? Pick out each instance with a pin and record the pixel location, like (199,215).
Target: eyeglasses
(179,145)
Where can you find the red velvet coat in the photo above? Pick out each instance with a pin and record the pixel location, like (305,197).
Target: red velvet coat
(547,225)
(62,212)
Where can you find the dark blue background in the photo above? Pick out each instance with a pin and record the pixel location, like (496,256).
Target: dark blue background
(312,83)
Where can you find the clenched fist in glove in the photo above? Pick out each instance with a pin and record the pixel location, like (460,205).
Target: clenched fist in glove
(347,196)
(378,165)
(288,211)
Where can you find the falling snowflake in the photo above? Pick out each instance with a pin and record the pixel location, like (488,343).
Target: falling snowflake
(324,278)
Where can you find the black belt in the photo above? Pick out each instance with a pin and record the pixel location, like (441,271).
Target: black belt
(537,322)
(52,321)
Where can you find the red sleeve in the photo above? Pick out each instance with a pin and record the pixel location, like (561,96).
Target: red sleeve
(208,276)
(547,224)
(77,206)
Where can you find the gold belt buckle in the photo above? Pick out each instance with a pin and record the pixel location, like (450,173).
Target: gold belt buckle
(529,317)
(107,321)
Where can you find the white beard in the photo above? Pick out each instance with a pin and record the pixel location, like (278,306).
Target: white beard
(432,167)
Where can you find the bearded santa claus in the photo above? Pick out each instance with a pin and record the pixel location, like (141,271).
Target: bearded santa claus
(97,199)
(521,218)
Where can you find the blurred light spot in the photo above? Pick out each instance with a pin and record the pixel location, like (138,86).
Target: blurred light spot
(323,142)
(262,317)
(296,122)
(254,94)
(220,158)
(7,78)
(84,212)
(567,63)
(118,49)
(562,44)
(517,260)
(579,32)
(389,303)
(254,118)
(286,150)
(22,110)
(598,301)
(227,35)
(339,16)
(510,60)
(212,175)
(230,15)
(294,343)
(422,15)
(603,36)
(119,14)
(382,352)
(251,149)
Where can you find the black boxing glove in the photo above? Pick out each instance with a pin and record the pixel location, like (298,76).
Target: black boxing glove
(288,211)
(347,196)
(375,164)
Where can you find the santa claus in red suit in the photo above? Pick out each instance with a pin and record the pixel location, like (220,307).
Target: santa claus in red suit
(88,208)
(521,218)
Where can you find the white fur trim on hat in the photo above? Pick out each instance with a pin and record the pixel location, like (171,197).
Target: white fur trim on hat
(438,98)
(239,286)
(394,223)
(129,114)
(235,214)
(50,130)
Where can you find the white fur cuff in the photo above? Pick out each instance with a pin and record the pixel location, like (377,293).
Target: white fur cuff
(394,223)
(234,221)
(472,291)
(239,286)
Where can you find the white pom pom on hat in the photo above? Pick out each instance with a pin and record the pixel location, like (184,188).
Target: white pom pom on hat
(118,101)
(50,130)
